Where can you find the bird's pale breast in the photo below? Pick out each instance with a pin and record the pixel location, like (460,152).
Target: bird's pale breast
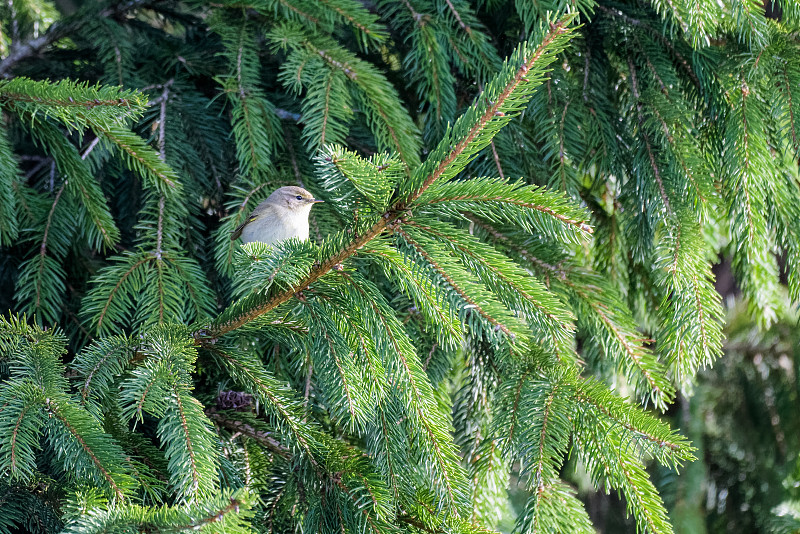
(269,228)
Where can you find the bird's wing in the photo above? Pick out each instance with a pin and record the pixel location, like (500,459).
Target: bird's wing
(238,231)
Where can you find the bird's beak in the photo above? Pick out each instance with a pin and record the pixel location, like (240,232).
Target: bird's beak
(316,201)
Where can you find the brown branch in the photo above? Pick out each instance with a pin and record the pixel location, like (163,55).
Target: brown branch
(653,162)
(59,30)
(543,209)
(103,360)
(214,517)
(418,17)
(43,247)
(206,336)
(492,111)
(455,13)
(143,398)
(190,449)
(357,502)
(344,67)
(495,271)
(263,438)
(587,60)
(243,96)
(497,161)
(65,103)
(106,474)
(540,463)
(117,286)
(13,445)
(457,288)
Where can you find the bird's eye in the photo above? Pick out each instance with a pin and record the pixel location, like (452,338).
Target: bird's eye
(298,197)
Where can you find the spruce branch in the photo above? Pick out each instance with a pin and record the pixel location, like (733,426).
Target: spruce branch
(676,448)
(462,292)
(477,45)
(275,397)
(118,286)
(548,448)
(76,172)
(421,290)
(100,363)
(21,418)
(62,29)
(227,512)
(636,359)
(303,15)
(691,308)
(452,161)
(241,427)
(554,507)
(643,132)
(328,346)
(532,208)
(216,516)
(497,162)
(748,172)
(492,110)
(140,157)
(419,398)
(10,177)
(703,188)
(506,279)
(43,247)
(74,104)
(616,13)
(108,472)
(391,124)
(255,124)
(427,57)
(788,91)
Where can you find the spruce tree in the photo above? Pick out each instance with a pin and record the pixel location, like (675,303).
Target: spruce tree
(512,268)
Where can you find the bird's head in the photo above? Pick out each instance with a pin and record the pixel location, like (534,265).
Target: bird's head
(292,198)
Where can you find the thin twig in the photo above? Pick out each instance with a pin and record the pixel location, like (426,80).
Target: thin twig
(90,148)
(264,438)
(59,30)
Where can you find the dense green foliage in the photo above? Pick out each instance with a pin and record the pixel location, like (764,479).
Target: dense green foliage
(510,277)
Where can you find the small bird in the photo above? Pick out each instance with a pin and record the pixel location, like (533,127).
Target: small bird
(283,215)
